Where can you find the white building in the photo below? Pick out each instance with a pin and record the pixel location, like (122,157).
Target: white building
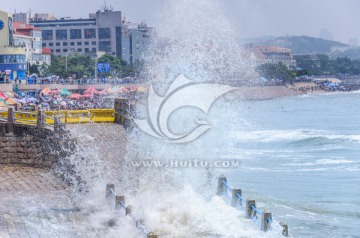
(29,37)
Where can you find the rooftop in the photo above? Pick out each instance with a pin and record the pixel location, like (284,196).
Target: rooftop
(23,26)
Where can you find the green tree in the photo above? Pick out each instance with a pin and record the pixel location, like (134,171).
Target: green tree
(81,65)
(44,70)
(116,65)
(34,69)
(275,71)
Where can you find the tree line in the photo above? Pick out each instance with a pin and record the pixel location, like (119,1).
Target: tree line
(315,65)
(80,66)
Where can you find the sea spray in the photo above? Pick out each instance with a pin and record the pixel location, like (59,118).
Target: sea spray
(194,39)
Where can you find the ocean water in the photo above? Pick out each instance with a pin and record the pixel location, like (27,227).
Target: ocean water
(300,159)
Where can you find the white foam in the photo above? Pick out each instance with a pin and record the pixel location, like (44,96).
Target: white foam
(300,134)
(333,161)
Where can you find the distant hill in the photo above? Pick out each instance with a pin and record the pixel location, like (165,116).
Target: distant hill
(298,44)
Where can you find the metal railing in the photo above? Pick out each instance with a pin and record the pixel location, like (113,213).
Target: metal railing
(262,218)
(28,118)
(66,116)
(38,119)
(120,204)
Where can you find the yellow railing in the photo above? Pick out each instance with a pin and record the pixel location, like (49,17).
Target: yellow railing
(102,115)
(49,116)
(3,114)
(68,116)
(77,116)
(29,118)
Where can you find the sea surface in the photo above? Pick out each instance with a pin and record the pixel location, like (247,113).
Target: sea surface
(300,159)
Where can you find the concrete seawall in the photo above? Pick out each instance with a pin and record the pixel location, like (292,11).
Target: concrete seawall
(32,146)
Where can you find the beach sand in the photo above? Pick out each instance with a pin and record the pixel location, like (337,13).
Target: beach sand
(263,93)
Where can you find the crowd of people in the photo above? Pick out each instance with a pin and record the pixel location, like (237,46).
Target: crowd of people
(71,80)
(91,98)
(309,85)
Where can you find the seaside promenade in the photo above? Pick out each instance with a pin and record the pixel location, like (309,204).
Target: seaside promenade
(35,202)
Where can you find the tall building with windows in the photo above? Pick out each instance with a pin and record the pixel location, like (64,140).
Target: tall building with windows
(135,41)
(102,31)
(21,17)
(12,58)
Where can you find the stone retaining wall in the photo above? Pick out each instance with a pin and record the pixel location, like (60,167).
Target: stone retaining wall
(32,146)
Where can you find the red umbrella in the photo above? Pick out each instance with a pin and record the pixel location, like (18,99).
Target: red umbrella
(133,88)
(75,96)
(91,90)
(2,95)
(122,90)
(102,92)
(85,95)
(55,91)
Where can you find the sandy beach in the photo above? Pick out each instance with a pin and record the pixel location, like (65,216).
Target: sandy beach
(263,93)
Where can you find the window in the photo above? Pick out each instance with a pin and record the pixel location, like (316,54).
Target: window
(93,49)
(12,59)
(79,43)
(105,46)
(104,33)
(37,45)
(75,34)
(86,49)
(93,43)
(79,50)
(90,33)
(86,42)
(65,43)
(43,44)
(72,43)
(61,34)
(51,44)
(47,35)
(57,43)
(65,50)
(36,33)
(57,50)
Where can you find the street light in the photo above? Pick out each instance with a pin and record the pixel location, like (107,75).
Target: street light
(66,54)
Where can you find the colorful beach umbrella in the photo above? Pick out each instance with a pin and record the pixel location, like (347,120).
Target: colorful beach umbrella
(65,92)
(45,91)
(114,89)
(9,94)
(55,91)
(91,90)
(122,90)
(75,96)
(86,96)
(3,96)
(133,88)
(3,103)
(141,89)
(10,101)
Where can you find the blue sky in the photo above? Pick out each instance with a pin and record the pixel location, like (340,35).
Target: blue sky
(248,17)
